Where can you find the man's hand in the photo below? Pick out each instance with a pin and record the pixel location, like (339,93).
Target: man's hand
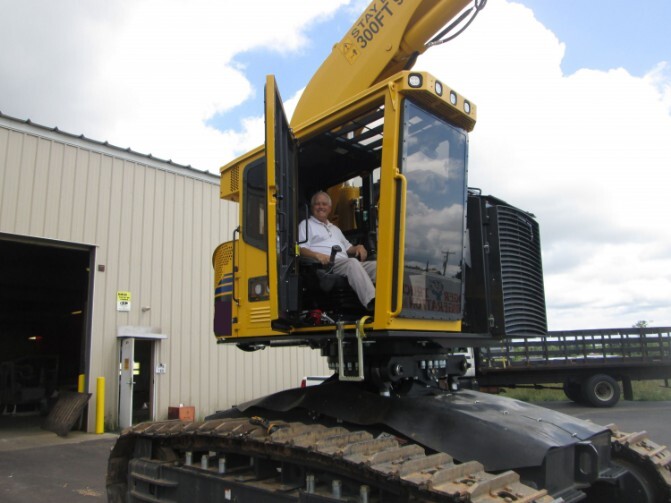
(358,251)
(323,259)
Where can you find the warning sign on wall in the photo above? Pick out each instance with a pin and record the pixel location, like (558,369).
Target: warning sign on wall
(123,301)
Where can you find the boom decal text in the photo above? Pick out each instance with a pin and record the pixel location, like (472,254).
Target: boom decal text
(372,21)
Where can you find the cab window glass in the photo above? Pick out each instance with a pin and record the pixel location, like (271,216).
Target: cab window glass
(433,161)
(254,222)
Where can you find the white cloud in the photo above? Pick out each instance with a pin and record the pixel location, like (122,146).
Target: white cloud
(587,152)
(146,74)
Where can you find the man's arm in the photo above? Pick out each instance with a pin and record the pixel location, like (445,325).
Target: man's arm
(322,258)
(305,251)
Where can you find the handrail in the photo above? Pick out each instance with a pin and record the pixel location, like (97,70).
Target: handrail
(235,268)
(307,226)
(398,177)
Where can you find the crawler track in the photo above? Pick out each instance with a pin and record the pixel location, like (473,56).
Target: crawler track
(652,460)
(257,460)
(287,461)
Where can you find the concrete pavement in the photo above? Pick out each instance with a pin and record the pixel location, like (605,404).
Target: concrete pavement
(69,472)
(36,465)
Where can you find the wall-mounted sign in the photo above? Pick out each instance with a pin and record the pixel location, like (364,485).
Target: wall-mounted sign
(123,301)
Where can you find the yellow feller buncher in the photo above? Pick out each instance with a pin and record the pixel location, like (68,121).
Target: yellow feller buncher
(455,268)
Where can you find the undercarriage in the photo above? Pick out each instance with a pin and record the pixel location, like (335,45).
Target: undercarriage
(342,442)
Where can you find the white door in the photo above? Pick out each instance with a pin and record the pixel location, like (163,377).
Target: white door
(126,382)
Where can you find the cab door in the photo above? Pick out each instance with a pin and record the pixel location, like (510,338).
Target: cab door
(281,171)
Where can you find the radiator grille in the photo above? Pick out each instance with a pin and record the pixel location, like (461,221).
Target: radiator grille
(521,273)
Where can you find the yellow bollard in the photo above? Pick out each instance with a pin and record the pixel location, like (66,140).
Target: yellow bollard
(81,383)
(100,405)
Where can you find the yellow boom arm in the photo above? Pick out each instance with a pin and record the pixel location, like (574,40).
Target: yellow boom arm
(385,39)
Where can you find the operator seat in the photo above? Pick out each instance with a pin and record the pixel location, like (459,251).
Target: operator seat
(327,291)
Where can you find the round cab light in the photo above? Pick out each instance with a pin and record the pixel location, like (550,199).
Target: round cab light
(415,80)
(453,97)
(467,107)
(439,88)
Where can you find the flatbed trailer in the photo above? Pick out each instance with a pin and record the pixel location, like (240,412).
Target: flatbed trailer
(589,363)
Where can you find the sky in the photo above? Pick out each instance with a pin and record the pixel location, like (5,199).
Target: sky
(574,111)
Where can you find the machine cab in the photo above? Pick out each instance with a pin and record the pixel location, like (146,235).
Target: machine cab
(394,162)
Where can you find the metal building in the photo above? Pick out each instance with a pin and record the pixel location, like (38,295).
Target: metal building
(105,271)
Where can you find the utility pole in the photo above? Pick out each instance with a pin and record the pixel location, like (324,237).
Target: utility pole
(446,257)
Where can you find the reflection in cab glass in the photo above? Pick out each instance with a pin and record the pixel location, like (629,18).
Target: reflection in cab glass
(434,163)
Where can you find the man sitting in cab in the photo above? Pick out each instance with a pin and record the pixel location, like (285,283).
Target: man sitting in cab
(350,260)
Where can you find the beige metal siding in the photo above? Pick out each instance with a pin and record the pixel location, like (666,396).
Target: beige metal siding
(154,226)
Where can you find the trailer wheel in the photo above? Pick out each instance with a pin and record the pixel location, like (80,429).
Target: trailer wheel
(573,391)
(601,390)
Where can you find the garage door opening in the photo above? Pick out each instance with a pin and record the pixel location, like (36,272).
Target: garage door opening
(44,326)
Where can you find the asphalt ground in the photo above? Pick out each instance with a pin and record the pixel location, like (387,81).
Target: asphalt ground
(38,466)
(653,417)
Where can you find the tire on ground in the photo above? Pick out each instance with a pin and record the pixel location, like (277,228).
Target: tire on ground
(573,391)
(601,390)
